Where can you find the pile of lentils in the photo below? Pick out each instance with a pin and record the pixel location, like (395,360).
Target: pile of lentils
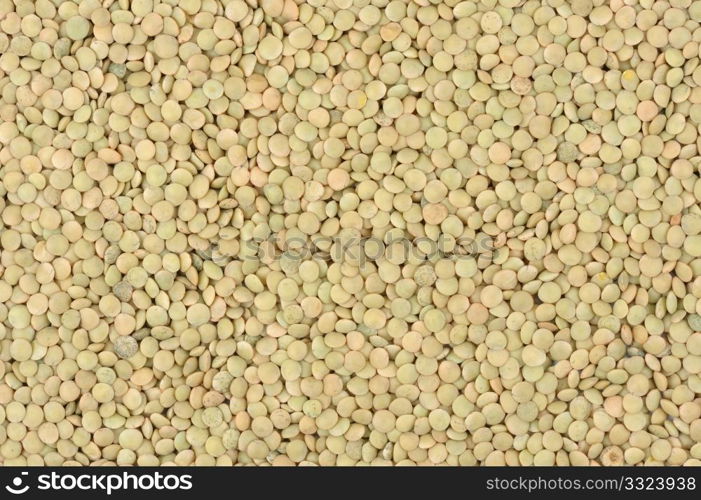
(177,178)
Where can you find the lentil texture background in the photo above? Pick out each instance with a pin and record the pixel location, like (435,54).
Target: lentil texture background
(181,180)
